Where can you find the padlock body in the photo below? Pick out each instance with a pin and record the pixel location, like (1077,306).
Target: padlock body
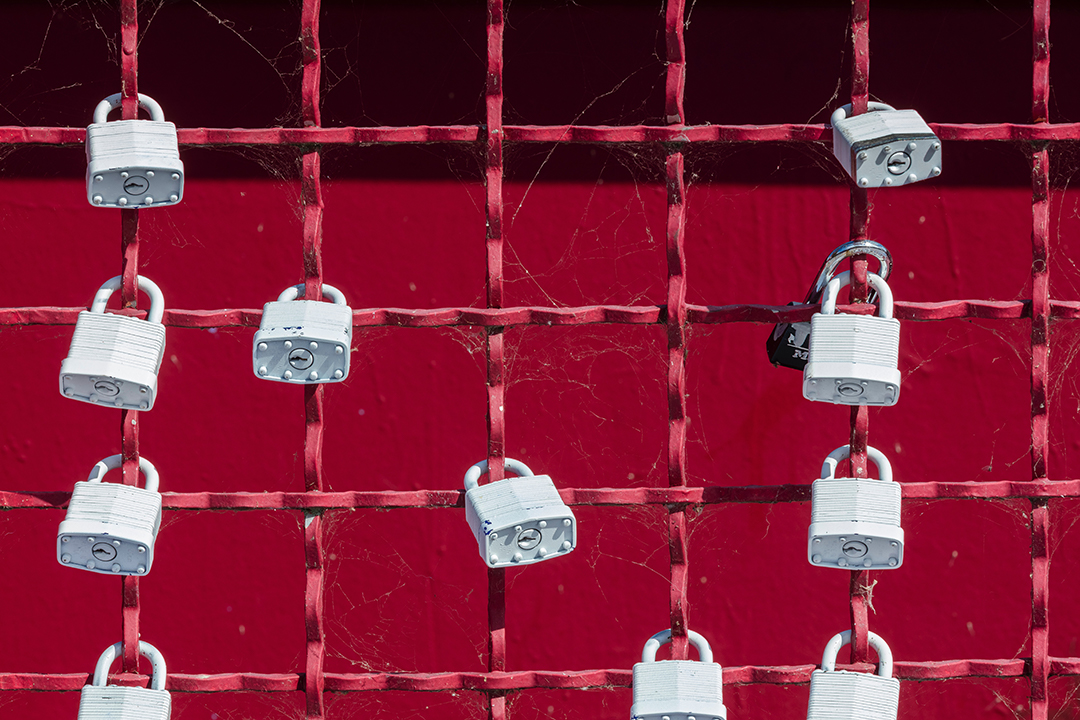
(303,342)
(853,360)
(678,689)
(855,524)
(900,148)
(110,529)
(789,344)
(133,164)
(113,361)
(843,695)
(519,521)
(114,702)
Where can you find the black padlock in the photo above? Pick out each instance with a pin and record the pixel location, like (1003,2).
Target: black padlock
(789,343)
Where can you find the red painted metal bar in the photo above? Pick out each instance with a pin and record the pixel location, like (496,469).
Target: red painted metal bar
(1040,357)
(496,388)
(676,327)
(311,202)
(129,292)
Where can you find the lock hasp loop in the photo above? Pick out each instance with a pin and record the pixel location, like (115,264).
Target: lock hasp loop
(148,286)
(113,462)
(841,113)
(147,103)
(885,659)
(292,293)
(648,654)
(885,296)
(828,468)
(148,651)
(473,474)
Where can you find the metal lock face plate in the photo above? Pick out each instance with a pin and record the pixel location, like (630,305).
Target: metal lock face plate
(113,361)
(886,148)
(853,360)
(519,521)
(843,695)
(304,342)
(855,524)
(133,164)
(114,702)
(110,529)
(678,690)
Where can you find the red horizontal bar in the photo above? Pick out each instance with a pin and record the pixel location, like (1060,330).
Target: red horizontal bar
(1041,132)
(588,315)
(999,490)
(524,680)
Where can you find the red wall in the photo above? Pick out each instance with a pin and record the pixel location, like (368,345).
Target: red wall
(404,227)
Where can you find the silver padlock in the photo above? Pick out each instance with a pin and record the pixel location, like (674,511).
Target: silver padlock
(110,528)
(116,702)
(842,694)
(854,358)
(854,522)
(678,689)
(132,163)
(518,521)
(304,341)
(884,146)
(114,359)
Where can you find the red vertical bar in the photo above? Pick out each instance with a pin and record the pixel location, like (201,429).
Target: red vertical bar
(676,324)
(311,203)
(129,292)
(859,586)
(496,425)
(1040,355)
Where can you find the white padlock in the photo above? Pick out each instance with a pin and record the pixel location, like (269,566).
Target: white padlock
(114,359)
(132,163)
(518,521)
(100,701)
(884,146)
(854,359)
(304,341)
(855,522)
(110,528)
(678,689)
(845,695)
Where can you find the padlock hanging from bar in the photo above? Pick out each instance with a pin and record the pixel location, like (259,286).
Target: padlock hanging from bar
(855,522)
(885,147)
(110,528)
(114,359)
(100,701)
(304,341)
(846,695)
(520,520)
(132,163)
(678,689)
(854,359)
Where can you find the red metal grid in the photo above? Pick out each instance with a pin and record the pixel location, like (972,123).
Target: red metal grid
(676,316)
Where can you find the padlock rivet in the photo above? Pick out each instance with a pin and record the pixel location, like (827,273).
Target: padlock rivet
(176,176)
(517,528)
(543,523)
(517,557)
(65,558)
(64,539)
(542,552)
(566,545)
(893,543)
(863,155)
(936,146)
(122,201)
(149,200)
(90,565)
(149,173)
(288,344)
(140,569)
(864,182)
(144,406)
(887,148)
(912,177)
(842,562)
(817,540)
(174,198)
(123,174)
(142,549)
(314,345)
(888,181)
(494,536)
(314,375)
(118,402)
(339,350)
(287,375)
(912,147)
(892,562)
(263,370)
(493,559)
(98,199)
(116,543)
(98,178)
(338,374)
(69,391)
(90,540)
(116,567)
(869,540)
(867,563)
(262,347)
(817,559)
(936,171)
(843,540)
(566,522)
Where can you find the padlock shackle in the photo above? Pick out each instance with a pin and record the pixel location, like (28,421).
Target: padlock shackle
(841,113)
(147,103)
(839,640)
(828,468)
(473,474)
(148,651)
(837,256)
(113,462)
(148,286)
(885,298)
(648,654)
(291,293)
